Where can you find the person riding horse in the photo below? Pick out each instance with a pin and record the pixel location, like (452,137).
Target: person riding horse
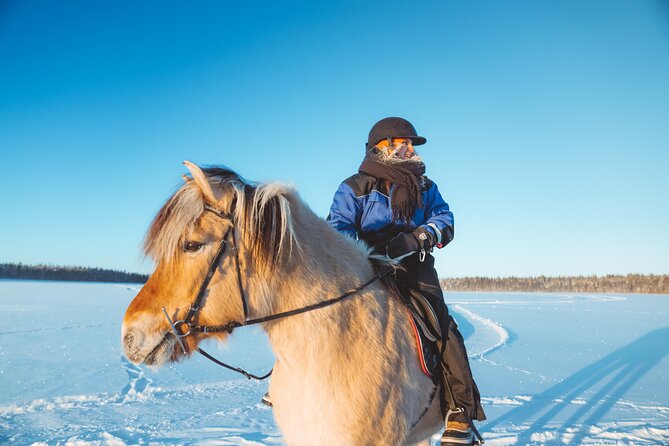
(392,206)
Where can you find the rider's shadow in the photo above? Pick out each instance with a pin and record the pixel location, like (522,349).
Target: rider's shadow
(609,379)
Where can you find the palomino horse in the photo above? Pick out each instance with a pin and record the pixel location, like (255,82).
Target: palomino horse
(345,374)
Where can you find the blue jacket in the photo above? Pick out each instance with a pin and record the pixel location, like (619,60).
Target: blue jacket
(361,209)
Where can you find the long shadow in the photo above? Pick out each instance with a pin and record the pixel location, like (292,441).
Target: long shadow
(609,379)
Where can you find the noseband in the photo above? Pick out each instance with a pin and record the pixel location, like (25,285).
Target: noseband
(185,327)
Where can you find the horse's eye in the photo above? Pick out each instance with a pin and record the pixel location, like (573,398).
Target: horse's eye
(190,246)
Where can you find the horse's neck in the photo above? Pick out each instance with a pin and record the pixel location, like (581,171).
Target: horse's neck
(330,264)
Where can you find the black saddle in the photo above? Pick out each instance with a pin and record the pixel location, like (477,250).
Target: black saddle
(427,331)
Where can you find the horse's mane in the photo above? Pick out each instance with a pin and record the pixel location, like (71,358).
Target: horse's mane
(261,213)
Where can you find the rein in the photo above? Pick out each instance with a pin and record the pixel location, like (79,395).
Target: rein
(190,328)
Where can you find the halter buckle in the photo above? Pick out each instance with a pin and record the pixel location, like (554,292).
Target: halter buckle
(177,327)
(177,333)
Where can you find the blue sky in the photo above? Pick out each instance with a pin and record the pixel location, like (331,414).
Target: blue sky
(547,122)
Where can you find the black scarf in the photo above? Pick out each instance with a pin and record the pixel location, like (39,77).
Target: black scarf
(407,196)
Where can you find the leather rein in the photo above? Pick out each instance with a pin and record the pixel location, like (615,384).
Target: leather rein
(185,327)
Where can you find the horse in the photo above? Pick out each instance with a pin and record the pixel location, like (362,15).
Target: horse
(345,374)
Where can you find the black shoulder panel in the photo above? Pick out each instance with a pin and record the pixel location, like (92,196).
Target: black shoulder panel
(361,183)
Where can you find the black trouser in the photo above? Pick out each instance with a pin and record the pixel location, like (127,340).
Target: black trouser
(422,276)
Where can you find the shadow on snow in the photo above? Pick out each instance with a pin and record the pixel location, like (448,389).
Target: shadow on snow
(609,379)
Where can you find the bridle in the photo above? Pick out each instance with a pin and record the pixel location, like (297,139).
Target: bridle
(185,327)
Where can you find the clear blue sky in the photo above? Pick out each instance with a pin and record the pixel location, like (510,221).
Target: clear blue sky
(547,122)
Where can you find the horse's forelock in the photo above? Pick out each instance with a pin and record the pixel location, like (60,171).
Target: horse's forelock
(181,211)
(177,214)
(262,211)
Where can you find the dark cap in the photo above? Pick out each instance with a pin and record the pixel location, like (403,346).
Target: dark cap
(393,128)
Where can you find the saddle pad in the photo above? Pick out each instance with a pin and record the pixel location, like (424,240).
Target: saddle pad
(428,351)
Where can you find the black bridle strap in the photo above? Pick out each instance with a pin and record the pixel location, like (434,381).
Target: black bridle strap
(240,285)
(318,305)
(205,284)
(326,303)
(229,217)
(234,369)
(234,324)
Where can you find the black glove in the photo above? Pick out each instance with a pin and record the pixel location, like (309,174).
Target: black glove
(408,243)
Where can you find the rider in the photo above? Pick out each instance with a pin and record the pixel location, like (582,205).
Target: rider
(392,206)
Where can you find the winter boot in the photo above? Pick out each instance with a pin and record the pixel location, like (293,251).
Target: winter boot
(459,430)
(266,400)
(457,434)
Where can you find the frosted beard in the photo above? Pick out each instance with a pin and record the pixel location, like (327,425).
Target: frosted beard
(391,157)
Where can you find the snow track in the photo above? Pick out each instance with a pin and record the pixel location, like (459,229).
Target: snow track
(489,337)
(502,335)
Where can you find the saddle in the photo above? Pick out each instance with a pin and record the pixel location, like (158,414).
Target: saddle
(426,331)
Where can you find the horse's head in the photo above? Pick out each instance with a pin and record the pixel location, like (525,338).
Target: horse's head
(184,239)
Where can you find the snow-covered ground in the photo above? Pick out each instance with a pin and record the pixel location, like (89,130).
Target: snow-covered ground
(552,369)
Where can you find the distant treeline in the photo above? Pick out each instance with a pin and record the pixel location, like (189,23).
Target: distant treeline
(631,283)
(67,273)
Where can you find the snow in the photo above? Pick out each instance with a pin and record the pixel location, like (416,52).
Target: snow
(552,369)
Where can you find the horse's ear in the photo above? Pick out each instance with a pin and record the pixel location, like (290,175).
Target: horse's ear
(201,181)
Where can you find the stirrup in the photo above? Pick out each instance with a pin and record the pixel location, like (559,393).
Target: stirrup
(452,412)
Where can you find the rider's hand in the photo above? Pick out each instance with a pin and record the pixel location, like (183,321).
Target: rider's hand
(408,243)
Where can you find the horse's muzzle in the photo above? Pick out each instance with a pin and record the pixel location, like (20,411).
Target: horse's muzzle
(155,352)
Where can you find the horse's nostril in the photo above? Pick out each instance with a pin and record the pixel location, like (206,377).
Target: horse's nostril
(128,339)
(130,347)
